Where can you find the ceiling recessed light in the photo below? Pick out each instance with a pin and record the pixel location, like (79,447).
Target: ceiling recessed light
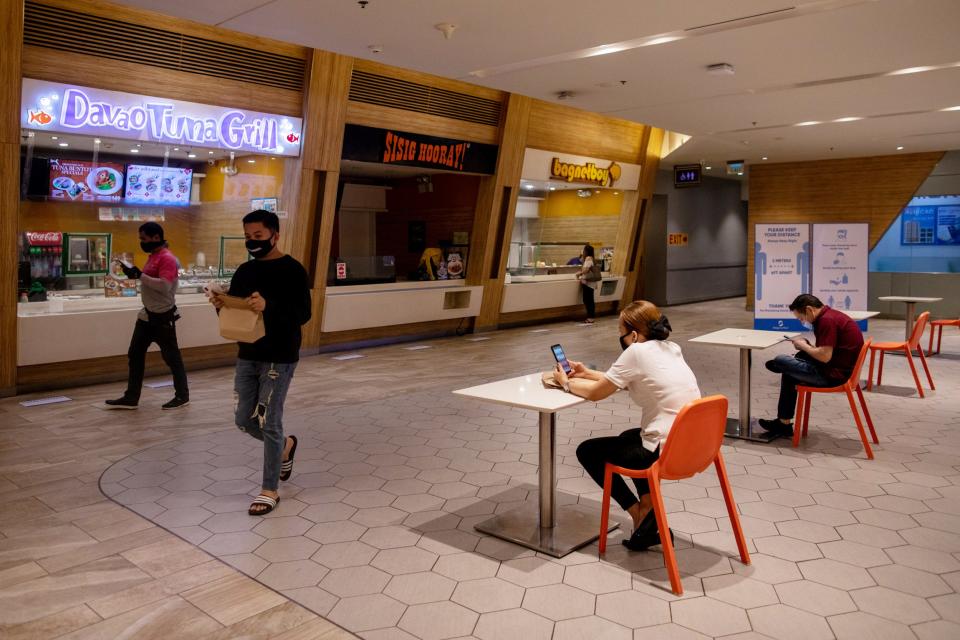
(134,150)
(848,119)
(956,108)
(808,123)
(251,161)
(210,152)
(191,155)
(54,137)
(708,168)
(764,158)
(64,144)
(899,148)
(553,188)
(96,141)
(176,148)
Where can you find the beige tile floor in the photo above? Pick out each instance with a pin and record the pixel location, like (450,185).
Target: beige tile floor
(375,530)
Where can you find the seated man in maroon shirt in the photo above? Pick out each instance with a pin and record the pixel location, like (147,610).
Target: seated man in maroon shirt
(827,364)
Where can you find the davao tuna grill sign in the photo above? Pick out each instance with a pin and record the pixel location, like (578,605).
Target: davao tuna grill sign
(400,148)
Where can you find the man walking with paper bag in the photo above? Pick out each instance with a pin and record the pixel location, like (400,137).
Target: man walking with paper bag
(268,302)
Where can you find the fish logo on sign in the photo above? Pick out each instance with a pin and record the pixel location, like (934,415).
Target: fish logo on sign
(40,117)
(293,138)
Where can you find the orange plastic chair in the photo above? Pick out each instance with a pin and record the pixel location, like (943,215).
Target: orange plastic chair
(913,344)
(938,325)
(692,444)
(805,397)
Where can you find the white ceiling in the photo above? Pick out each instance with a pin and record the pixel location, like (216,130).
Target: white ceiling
(810,61)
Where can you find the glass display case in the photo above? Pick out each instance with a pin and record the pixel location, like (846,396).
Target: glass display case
(86,254)
(233,253)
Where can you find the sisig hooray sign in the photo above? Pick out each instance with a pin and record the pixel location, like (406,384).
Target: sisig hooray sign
(55,107)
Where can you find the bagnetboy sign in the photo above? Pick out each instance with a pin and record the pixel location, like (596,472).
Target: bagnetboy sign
(586,172)
(50,106)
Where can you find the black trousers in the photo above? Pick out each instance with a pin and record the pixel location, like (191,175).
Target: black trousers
(588,301)
(625,450)
(164,333)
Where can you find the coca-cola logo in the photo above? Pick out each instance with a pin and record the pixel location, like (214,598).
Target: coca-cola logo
(44,237)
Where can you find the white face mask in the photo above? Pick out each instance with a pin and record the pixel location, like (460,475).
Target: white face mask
(807,325)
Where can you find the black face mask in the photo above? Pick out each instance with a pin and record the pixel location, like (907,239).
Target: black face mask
(151,246)
(623,343)
(259,248)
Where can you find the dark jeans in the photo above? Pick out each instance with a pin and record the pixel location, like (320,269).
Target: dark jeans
(796,371)
(260,389)
(588,301)
(625,450)
(165,335)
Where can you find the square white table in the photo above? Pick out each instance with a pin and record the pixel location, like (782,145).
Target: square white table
(548,528)
(860,315)
(746,340)
(911,302)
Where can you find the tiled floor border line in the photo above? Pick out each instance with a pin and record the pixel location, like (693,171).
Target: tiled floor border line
(196,546)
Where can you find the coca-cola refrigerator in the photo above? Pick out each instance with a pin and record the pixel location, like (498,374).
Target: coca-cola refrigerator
(43,252)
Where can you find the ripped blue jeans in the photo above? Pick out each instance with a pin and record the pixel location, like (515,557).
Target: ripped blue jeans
(260,389)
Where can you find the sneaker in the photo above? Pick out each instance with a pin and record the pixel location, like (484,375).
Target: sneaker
(176,403)
(776,427)
(121,403)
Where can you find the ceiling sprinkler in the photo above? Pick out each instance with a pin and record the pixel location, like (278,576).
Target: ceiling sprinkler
(564,95)
(447,29)
(363,3)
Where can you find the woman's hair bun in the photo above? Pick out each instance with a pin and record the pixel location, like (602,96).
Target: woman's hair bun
(660,329)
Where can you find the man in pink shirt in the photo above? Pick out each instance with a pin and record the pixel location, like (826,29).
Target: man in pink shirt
(156,322)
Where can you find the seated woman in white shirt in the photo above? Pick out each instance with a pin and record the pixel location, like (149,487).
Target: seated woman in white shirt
(659,381)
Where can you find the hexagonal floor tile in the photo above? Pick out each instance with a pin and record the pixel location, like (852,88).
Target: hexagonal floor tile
(294,574)
(362,613)
(354,581)
(710,617)
(488,594)
(513,624)
(404,560)
(420,588)
(438,620)
(559,602)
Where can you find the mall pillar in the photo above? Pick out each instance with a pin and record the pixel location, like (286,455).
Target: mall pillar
(634,227)
(496,205)
(310,230)
(11,35)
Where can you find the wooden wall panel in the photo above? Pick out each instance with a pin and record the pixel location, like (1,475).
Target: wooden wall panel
(556,127)
(872,190)
(494,218)
(372,115)
(11,35)
(86,70)
(160,21)
(633,271)
(431,80)
(309,230)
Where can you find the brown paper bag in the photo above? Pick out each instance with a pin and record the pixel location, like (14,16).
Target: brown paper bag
(239,322)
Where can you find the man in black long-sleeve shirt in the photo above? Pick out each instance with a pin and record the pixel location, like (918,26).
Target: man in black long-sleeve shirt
(276,285)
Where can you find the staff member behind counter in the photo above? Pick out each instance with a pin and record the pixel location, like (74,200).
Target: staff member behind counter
(156,322)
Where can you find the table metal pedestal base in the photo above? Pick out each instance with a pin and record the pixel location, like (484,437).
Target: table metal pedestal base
(734,431)
(576,526)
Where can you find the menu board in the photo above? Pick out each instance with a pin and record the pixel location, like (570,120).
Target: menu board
(168,186)
(85,181)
